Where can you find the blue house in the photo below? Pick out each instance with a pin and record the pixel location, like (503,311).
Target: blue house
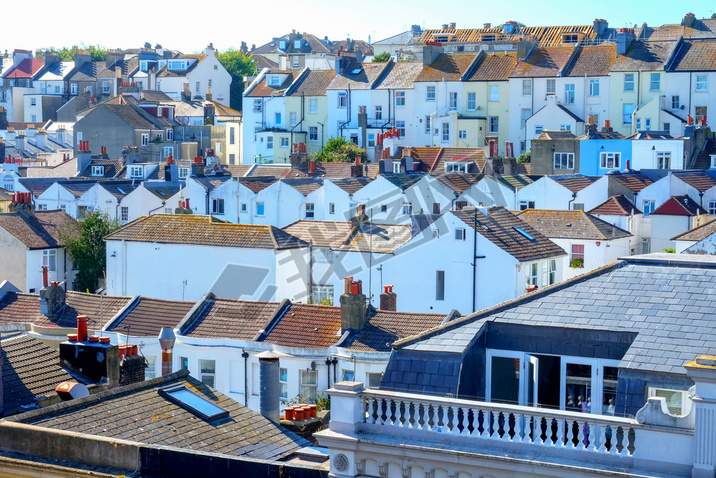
(603,151)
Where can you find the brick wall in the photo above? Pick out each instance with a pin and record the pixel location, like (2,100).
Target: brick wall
(131,369)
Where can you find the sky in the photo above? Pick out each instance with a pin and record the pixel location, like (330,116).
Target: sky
(188,26)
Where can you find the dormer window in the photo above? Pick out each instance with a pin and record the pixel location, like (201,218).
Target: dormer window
(274,80)
(570,38)
(297,44)
(98,171)
(282,44)
(176,65)
(460,167)
(136,172)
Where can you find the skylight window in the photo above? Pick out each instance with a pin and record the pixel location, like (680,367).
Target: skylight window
(121,191)
(524,233)
(190,401)
(355,71)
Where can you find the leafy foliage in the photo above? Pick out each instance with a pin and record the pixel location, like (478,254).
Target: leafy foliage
(84,242)
(525,157)
(97,52)
(381,57)
(338,150)
(238,64)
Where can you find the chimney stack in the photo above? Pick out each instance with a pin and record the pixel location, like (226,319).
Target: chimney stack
(52,299)
(388,299)
(93,357)
(353,307)
(360,217)
(269,385)
(166,341)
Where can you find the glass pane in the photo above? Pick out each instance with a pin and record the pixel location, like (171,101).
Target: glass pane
(208,380)
(505,383)
(609,393)
(283,372)
(579,388)
(207,366)
(309,377)
(673,398)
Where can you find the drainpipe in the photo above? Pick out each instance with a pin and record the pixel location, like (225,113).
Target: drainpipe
(328,369)
(245,356)
(474,262)
(348,119)
(569,204)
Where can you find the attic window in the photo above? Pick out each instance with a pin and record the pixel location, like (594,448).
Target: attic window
(97,170)
(524,233)
(570,38)
(274,80)
(192,402)
(297,43)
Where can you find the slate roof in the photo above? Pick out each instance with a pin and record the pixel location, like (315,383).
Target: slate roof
(163,190)
(403,181)
(134,116)
(312,44)
(571,225)
(66,169)
(36,186)
(211,182)
(379,238)
(203,230)
(458,182)
(701,181)
(230,319)
(352,185)
(322,233)
(138,413)
(543,62)
(147,316)
(594,60)
(307,326)
(41,231)
(574,182)
(366,79)
(434,158)
(644,56)
(696,56)
(679,206)
(25,308)
(262,88)
(263,62)
(236,170)
(112,168)
(400,76)
(312,83)
(698,233)
(304,185)
(385,327)
(500,229)
(703,28)
(615,206)
(516,181)
(30,373)
(447,67)
(493,67)
(119,189)
(77,188)
(634,181)
(666,299)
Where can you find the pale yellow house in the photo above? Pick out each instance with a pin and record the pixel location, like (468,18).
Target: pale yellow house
(306,113)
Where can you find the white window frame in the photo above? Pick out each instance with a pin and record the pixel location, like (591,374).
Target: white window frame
(342,99)
(313,133)
(331,208)
(429,93)
(526,87)
(310,210)
(471,101)
(124,213)
(702,82)
(446,133)
(452,101)
(663,160)
(685,400)
(400,126)
(136,172)
(629,82)
(207,377)
(97,170)
(569,93)
(551,86)
(308,384)
(494,92)
(269,142)
(655,82)
(594,87)
(675,103)
(493,124)
(427,124)
(257,106)
(627,112)
(462,134)
(712,208)
(609,160)
(145,139)
(407,208)
(563,161)
(313,105)
(284,142)
(217,206)
(283,383)
(400,99)
(49,259)
(292,118)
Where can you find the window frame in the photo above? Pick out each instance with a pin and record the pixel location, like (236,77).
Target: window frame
(400,126)
(308,388)
(703,81)
(569,93)
(430,93)
(313,105)
(283,383)
(471,101)
(49,259)
(342,98)
(607,157)
(576,253)
(217,206)
(565,158)
(310,210)
(494,93)
(400,99)
(655,82)
(439,285)
(493,125)
(526,87)
(313,133)
(551,87)
(628,82)
(207,377)
(446,132)
(260,209)
(663,160)
(594,87)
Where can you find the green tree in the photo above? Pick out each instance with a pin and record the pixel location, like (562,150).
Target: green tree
(84,242)
(338,150)
(97,52)
(238,65)
(525,157)
(381,57)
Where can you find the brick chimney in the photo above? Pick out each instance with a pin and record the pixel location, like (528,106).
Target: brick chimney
(388,299)
(52,299)
(82,57)
(360,217)
(353,307)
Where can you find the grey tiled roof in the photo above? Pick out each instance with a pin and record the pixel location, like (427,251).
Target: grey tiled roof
(668,300)
(138,413)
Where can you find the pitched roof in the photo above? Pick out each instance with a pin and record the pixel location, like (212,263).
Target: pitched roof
(230,319)
(447,67)
(138,413)
(30,373)
(322,233)
(696,56)
(333,170)
(312,83)
(458,182)
(148,315)
(400,75)
(571,225)
(616,206)
(634,181)
(434,158)
(41,231)
(364,79)
(403,181)
(644,56)
(501,228)
(700,181)
(543,62)
(119,189)
(494,67)
(385,327)
(698,233)
(312,44)
(112,168)
(341,236)
(574,182)
(304,185)
(307,326)
(663,316)
(679,206)
(133,115)
(594,60)
(66,169)
(352,185)
(257,184)
(264,89)
(25,308)
(266,170)
(25,69)
(263,62)
(703,28)
(556,135)
(203,230)
(543,35)
(516,181)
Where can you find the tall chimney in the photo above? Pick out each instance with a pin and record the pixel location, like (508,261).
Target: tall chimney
(353,307)
(388,299)
(52,299)
(166,341)
(269,384)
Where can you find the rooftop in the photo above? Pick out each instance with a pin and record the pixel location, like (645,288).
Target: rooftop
(571,225)
(616,206)
(40,231)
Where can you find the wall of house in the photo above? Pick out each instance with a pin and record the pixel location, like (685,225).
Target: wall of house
(590,155)
(477,134)
(139,203)
(382,192)
(13,262)
(102,128)
(644,153)
(57,197)
(594,255)
(489,192)
(664,227)
(543,155)
(33,269)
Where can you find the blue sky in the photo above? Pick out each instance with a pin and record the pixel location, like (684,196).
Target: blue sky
(189,25)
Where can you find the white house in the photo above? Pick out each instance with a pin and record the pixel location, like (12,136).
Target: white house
(565,192)
(620,212)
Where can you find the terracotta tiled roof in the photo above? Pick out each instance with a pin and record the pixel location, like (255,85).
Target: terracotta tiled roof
(592,61)
(447,67)
(516,181)
(616,206)
(25,69)
(203,230)
(400,75)
(434,158)
(30,372)
(494,67)
(365,79)
(574,182)
(644,56)
(500,228)
(545,36)
(556,135)
(148,315)
(41,231)
(333,170)
(352,185)
(270,171)
(257,184)
(138,413)
(264,89)
(263,62)
(236,170)
(312,83)
(634,181)
(458,182)
(231,319)
(304,185)
(543,62)
(307,326)
(679,206)
(385,327)
(701,181)
(698,233)
(571,225)
(322,233)
(19,308)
